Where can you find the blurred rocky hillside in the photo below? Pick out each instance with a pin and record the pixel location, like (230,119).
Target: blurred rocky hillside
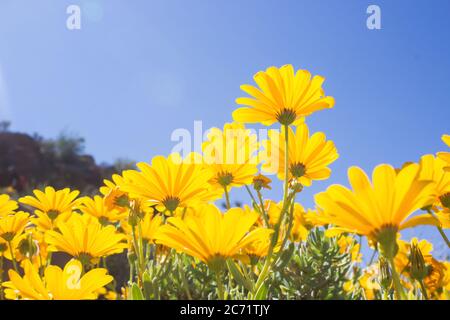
(31,161)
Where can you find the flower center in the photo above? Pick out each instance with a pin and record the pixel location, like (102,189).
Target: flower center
(286,116)
(103,220)
(216,263)
(171,203)
(84,258)
(28,248)
(224,178)
(297,169)
(445,200)
(386,236)
(53,214)
(8,236)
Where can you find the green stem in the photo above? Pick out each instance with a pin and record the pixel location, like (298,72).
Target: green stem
(444,236)
(131,273)
(268,263)
(373,255)
(251,194)
(227,197)
(396,279)
(49,258)
(41,266)
(423,289)
(220,289)
(286,163)
(141,246)
(263,211)
(441,231)
(13,259)
(257,207)
(183,277)
(288,232)
(137,252)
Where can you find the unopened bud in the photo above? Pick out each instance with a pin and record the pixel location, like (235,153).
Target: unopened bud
(132,257)
(385,273)
(295,186)
(418,268)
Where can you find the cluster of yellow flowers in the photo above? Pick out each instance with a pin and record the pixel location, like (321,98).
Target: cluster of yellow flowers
(166,208)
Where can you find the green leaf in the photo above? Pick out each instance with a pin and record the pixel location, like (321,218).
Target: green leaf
(147,285)
(136,293)
(262,292)
(239,276)
(285,257)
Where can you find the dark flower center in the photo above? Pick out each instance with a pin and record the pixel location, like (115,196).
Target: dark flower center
(53,214)
(171,203)
(297,169)
(286,116)
(8,236)
(224,178)
(445,200)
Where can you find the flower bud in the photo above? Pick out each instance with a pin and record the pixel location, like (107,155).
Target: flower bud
(385,274)
(260,181)
(295,186)
(132,257)
(418,268)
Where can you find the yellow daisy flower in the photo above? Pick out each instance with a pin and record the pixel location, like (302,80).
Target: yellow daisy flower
(10,249)
(171,182)
(299,230)
(52,206)
(369,282)
(114,197)
(350,245)
(97,207)
(445,155)
(309,156)
(260,247)
(57,284)
(31,246)
(210,235)
(84,238)
(432,168)
(13,225)
(261,181)
(150,224)
(378,209)
(282,96)
(231,155)
(444,218)
(7,205)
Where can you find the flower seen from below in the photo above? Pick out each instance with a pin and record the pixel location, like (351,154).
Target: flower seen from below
(378,209)
(97,208)
(57,284)
(230,155)
(309,156)
(171,182)
(7,205)
(84,238)
(282,95)
(445,155)
(210,235)
(52,206)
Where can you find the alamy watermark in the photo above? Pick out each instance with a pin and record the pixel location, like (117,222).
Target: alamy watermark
(229,146)
(373,21)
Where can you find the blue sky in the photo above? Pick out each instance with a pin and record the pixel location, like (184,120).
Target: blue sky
(137,70)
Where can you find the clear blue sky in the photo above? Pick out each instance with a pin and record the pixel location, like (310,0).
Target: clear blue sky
(139,69)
